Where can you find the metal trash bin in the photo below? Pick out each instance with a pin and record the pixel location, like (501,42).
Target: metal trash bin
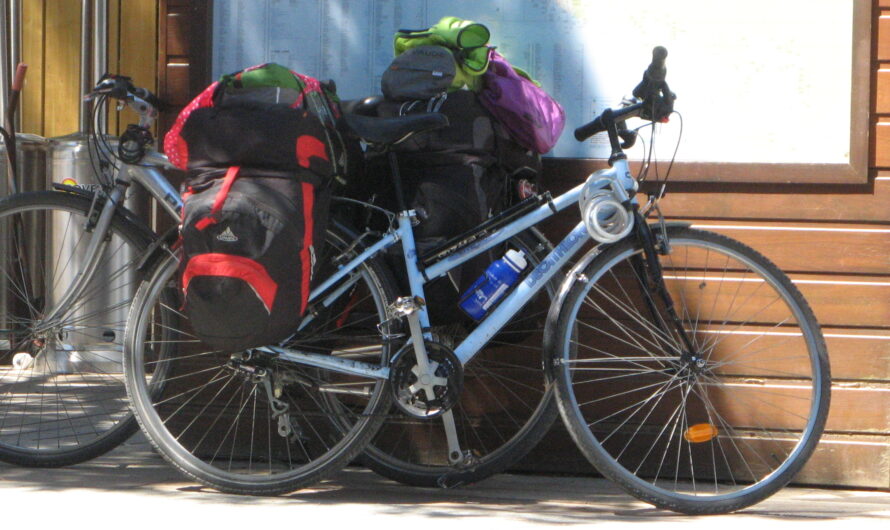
(94,344)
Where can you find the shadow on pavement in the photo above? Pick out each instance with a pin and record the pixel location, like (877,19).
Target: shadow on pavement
(134,469)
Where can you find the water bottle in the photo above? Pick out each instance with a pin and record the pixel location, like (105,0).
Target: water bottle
(493,284)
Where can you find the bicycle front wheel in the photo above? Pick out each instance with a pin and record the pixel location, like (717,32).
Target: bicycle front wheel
(62,395)
(708,412)
(248,422)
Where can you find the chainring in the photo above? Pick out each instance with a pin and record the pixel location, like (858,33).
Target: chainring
(413,400)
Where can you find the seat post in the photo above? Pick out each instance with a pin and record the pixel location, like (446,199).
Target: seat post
(396,179)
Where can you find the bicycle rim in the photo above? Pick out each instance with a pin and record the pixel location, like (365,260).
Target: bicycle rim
(216,422)
(505,408)
(704,431)
(62,395)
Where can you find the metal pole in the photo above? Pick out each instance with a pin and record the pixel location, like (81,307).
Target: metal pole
(5,68)
(86,22)
(100,52)
(15,47)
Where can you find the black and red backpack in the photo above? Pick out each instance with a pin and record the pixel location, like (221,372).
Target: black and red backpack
(261,147)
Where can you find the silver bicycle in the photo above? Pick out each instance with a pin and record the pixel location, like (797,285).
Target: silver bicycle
(62,395)
(71,261)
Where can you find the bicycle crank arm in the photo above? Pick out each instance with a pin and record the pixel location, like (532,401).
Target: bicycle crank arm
(455,454)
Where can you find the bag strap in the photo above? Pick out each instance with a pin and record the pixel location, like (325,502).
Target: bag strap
(220,198)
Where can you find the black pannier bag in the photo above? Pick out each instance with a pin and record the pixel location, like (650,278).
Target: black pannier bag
(451,179)
(249,239)
(262,147)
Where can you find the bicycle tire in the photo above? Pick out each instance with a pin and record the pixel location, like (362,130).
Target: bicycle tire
(63,402)
(327,430)
(505,408)
(706,433)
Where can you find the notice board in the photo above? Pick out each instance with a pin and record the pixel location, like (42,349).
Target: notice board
(769,91)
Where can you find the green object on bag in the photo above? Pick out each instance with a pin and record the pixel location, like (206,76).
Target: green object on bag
(464,34)
(265,75)
(466,38)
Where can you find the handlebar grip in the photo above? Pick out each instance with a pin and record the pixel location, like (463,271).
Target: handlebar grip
(653,77)
(656,70)
(586,131)
(19,81)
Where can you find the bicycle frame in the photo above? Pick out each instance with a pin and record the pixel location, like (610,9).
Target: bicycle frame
(536,279)
(150,177)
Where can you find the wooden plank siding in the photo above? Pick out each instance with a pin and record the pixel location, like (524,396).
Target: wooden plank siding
(834,242)
(183,54)
(51,48)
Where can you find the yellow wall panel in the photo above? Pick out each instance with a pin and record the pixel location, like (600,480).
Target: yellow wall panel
(138,45)
(61,95)
(32,55)
(51,47)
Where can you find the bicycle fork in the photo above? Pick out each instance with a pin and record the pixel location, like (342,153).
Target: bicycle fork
(650,277)
(94,254)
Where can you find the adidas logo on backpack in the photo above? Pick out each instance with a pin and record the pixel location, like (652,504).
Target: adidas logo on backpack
(228,236)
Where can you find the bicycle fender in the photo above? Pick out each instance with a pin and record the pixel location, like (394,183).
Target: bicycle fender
(575,275)
(122,210)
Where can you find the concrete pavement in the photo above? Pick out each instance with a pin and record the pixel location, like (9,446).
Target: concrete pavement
(134,488)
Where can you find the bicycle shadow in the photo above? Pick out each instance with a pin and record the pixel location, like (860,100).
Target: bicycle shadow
(531,499)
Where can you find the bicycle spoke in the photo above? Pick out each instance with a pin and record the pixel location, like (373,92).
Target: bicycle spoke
(713,427)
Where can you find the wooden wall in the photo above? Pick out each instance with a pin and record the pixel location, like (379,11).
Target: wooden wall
(51,48)
(183,54)
(835,244)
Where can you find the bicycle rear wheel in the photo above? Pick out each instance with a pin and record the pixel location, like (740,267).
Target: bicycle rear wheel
(62,395)
(709,423)
(248,422)
(505,408)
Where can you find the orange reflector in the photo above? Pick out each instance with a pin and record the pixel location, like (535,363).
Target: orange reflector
(69,182)
(700,432)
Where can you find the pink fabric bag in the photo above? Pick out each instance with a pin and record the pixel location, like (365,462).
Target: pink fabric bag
(533,118)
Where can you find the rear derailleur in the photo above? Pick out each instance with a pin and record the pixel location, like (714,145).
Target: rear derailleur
(257,370)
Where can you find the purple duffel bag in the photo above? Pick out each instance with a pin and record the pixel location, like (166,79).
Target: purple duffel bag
(535,120)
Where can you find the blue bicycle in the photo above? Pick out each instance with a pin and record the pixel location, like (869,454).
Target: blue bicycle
(686,366)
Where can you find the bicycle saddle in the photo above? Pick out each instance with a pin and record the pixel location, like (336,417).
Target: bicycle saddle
(365,106)
(388,131)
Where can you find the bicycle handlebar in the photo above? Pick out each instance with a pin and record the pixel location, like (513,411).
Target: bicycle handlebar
(599,124)
(657,99)
(121,88)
